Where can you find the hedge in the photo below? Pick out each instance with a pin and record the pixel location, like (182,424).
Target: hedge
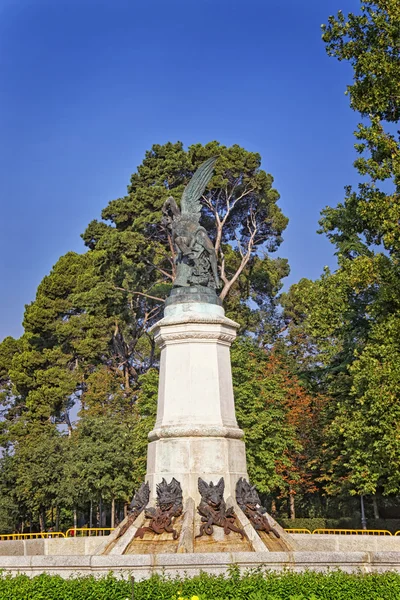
(254,585)
(391,525)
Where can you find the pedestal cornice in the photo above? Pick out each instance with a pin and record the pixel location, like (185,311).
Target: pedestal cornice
(200,318)
(195,326)
(179,431)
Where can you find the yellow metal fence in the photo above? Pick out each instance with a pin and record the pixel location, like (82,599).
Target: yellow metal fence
(88,531)
(298,531)
(100,531)
(31,536)
(343,531)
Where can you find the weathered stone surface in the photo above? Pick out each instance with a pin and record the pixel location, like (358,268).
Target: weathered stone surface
(142,565)
(186,539)
(60,562)
(92,544)
(304,542)
(385,560)
(106,543)
(34,547)
(316,543)
(15,563)
(78,546)
(256,542)
(139,565)
(320,561)
(12,548)
(196,432)
(127,560)
(346,543)
(123,542)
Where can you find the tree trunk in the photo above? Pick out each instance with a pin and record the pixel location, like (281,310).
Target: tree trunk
(100,513)
(126,373)
(57,518)
(273,507)
(75,518)
(375,506)
(363,519)
(113,512)
(125,510)
(292,512)
(68,423)
(42,519)
(91,514)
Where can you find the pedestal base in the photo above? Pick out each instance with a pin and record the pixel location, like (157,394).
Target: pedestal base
(196,432)
(188,458)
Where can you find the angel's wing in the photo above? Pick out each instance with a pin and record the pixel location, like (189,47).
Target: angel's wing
(190,202)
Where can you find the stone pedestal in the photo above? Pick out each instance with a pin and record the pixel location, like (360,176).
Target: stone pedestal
(196,432)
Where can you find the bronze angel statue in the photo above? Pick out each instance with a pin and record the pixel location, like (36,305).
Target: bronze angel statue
(196,261)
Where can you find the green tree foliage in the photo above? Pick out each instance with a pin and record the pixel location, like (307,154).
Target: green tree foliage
(339,317)
(280,419)
(344,327)
(38,468)
(370,41)
(267,434)
(367,417)
(86,338)
(9,507)
(239,210)
(145,411)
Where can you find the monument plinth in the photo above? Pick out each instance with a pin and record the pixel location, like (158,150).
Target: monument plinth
(196,433)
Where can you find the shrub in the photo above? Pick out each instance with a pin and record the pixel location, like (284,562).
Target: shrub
(391,525)
(253,585)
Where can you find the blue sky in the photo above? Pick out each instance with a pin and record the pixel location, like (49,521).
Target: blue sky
(87,86)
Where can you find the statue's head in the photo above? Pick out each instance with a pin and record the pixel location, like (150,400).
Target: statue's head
(170,210)
(246,494)
(169,494)
(212,494)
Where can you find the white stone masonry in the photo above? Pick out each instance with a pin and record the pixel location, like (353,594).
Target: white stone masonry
(196,432)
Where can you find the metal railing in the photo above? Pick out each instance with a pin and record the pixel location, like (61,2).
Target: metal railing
(352,531)
(88,531)
(101,531)
(298,531)
(31,536)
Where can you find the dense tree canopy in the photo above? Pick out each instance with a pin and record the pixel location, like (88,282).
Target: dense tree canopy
(86,340)
(344,328)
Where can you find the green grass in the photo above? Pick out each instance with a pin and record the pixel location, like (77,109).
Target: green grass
(254,585)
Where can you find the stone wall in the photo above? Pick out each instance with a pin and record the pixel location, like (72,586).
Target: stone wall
(347,543)
(73,556)
(303,542)
(141,566)
(51,546)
